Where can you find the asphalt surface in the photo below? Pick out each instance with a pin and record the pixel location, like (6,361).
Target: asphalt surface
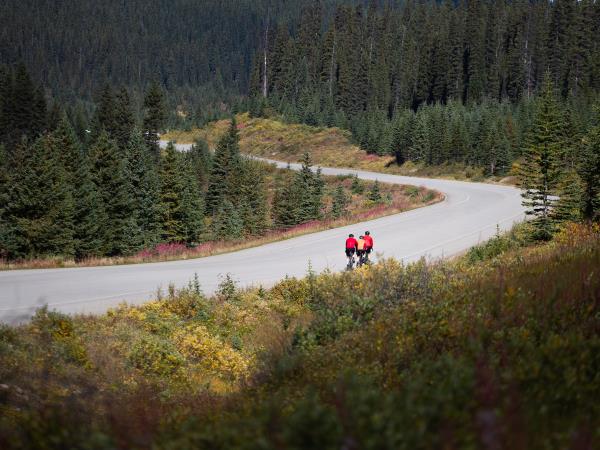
(470,213)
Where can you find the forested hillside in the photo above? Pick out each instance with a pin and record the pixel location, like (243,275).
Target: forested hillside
(198,50)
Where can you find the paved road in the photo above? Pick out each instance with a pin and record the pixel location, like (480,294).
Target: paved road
(469,214)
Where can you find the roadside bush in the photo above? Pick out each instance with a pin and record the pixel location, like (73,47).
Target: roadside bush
(155,356)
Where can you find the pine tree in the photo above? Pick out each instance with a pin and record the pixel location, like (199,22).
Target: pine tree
(311,186)
(224,180)
(21,106)
(104,117)
(357,187)
(109,171)
(286,201)
(570,194)
(589,171)
(145,184)
(192,206)
(539,174)
(91,239)
(173,226)
(340,203)
(39,205)
(124,121)
(375,193)
(227,223)
(253,199)
(154,117)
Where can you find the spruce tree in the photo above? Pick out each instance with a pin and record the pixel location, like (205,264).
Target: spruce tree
(124,121)
(340,203)
(109,171)
(104,116)
(253,199)
(589,171)
(173,228)
(154,117)
(286,203)
(192,205)
(540,171)
(145,185)
(21,106)
(375,193)
(90,219)
(224,178)
(227,223)
(39,205)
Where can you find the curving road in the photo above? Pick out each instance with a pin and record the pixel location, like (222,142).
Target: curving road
(469,214)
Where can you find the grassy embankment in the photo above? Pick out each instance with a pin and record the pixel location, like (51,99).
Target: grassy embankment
(395,199)
(329,147)
(499,349)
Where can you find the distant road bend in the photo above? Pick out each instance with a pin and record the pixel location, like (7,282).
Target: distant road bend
(470,213)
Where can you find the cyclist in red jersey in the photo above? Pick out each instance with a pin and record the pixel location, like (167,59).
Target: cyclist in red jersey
(350,248)
(368,244)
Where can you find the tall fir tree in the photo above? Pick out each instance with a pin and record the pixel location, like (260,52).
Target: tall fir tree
(192,205)
(124,120)
(109,170)
(145,183)
(154,117)
(589,170)
(340,203)
(39,205)
(540,171)
(171,186)
(223,177)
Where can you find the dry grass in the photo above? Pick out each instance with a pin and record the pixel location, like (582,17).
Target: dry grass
(331,147)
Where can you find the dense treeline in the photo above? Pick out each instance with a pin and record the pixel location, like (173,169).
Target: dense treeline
(433,81)
(114,192)
(200,51)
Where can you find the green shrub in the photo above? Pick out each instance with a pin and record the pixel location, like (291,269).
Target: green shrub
(155,356)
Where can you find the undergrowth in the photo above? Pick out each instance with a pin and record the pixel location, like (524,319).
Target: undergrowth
(496,350)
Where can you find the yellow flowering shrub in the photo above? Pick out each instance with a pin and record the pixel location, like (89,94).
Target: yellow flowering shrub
(210,353)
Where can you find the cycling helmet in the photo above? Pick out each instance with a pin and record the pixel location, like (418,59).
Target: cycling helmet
(351,235)
(361,237)
(367,233)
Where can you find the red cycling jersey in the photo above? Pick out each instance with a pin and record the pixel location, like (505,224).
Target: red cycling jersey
(368,242)
(351,243)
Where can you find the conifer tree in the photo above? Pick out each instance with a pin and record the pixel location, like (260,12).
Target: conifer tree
(253,199)
(124,121)
(154,117)
(192,206)
(39,204)
(201,161)
(539,174)
(21,106)
(589,171)
(109,171)
(104,116)
(145,184)
(356,187)
(227,223)
(340,203)
(224,179)
(91,239)
(375,193)
(286,203)
(173,227)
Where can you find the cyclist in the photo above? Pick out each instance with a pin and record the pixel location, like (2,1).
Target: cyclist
(360,250)
(368,245)
(350,249)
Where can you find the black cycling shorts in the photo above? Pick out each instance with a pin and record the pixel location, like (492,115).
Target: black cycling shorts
(369,250)
(350,252)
